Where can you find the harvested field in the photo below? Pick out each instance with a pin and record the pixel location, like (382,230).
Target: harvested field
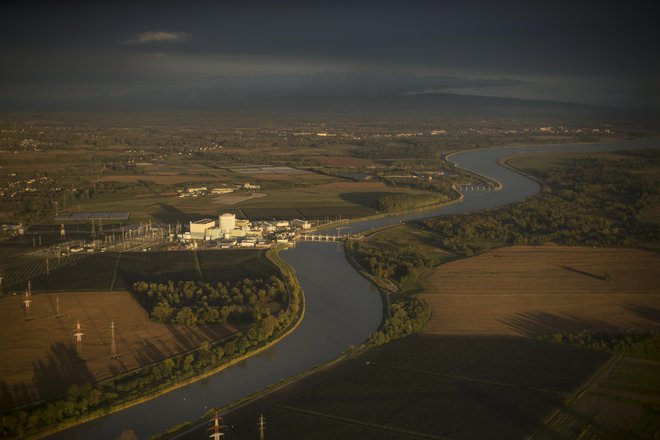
(39,355)
(532,290)
(232,199)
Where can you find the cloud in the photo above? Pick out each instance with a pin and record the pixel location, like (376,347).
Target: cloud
(159,37)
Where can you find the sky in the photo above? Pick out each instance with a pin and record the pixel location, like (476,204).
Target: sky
(120,55)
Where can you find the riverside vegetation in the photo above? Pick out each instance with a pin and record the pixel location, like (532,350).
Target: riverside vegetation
(595,201)
(93,400)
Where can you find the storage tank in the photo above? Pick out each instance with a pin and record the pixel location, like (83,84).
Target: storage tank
(227,222)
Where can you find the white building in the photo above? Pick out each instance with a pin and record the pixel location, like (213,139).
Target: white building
(198,228)
(302,224)
(227,222)
(222,190)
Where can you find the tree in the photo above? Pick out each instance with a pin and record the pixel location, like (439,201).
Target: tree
(162,312)
(186,316)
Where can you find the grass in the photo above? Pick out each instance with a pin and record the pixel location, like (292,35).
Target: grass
(109,271)
(393,239)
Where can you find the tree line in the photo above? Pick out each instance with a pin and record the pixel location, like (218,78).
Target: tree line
(637,343)
(404,202)
(407,316)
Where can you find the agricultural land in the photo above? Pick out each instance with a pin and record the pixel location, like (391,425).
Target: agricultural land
(533,290)
(437,387)
(40,358)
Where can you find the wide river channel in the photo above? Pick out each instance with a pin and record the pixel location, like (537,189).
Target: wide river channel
(342,308)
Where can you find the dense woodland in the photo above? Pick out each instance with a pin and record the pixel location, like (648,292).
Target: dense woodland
(193,302)
(407,316)
(402,266)
(597,202)
(403,202)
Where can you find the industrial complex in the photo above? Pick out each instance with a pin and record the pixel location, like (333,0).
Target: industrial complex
(228,231)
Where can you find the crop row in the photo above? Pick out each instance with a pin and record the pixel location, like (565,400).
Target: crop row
(516,361)
(437,406)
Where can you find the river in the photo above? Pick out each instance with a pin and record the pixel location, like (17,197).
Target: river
(342,308)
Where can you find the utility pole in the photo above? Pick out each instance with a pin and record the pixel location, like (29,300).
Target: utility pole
(217,427)
(113,346)
(78,334)
(262,427)
(27,301)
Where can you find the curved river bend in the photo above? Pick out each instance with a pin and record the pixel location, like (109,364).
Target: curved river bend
(342,308)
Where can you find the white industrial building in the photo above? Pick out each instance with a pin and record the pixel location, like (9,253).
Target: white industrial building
(227,222)
(198,229)
(302,224)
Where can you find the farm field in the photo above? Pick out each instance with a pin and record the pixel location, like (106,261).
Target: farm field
(622,404)
(39,355)
(42,351)
(114,271)
(427,386)
(326,200)
(535,290)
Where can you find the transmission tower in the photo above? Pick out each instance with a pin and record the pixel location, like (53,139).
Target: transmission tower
(27,300)
(78,334)
(217,427)
(262,427)
(113,346)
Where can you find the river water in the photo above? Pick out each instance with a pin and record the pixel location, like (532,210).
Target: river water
(342,308)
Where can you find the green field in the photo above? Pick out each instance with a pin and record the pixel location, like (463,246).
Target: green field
(115,271)
(434,387)
(622,406)
(393,239)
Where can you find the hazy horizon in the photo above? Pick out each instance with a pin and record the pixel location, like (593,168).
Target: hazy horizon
(81,56)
